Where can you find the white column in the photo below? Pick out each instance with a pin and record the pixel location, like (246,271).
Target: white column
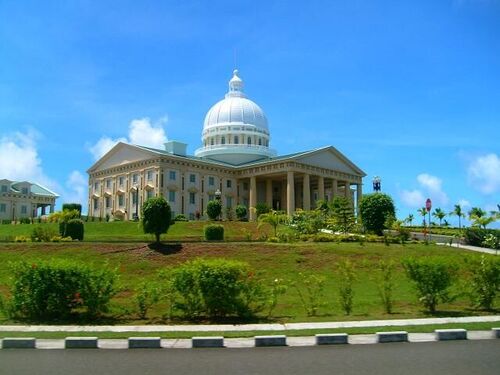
(253,198)
(290,194)
(306,191)
(321,188)
(359,195)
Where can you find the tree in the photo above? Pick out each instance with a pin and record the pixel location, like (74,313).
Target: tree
(214,208)
(439,214)
(342,214)
(483,221)
(409,219)
(476,212)
(375,209)
(422,211)
(273,218)
(459,213)
(156,216)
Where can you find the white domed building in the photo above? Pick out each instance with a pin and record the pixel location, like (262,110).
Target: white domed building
(234,163)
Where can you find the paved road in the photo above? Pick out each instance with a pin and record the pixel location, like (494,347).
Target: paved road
(453,357)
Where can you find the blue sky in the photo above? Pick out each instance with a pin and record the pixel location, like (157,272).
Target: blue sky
(408,90)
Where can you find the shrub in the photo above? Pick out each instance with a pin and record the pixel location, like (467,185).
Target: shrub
(311,291)
(214,209)
(342,215)
(476,236)
(375,209)
(42,233)
(346,280)
(147,295)
(229,214)
(385,284)
(156,216)
(308,222)
(214,232)
(72,206)
(54,289)
(241,212)
(485,281)
(180,217)
(6,221)
(21,239)
(432,277)
(261,208)
(25,220)
(75,229)
(217,288)
(278,288)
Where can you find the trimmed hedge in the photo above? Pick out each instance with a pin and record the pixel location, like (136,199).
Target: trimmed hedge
(72,206)
(214,232)
(75,229)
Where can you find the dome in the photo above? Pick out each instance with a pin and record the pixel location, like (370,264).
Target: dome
(235,108)
(235,129)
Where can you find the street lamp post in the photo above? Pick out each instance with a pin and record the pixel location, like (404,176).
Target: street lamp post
(136,214)
(218,197)
(377,184)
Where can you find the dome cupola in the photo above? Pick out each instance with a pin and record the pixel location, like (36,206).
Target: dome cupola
(235,129)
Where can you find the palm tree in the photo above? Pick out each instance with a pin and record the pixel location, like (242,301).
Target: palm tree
(422,211)
(458,211)
(440,214)
(483,221)
(273,218)
(476,212)
(409,219)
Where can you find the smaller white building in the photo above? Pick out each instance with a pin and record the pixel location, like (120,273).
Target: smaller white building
(23,199)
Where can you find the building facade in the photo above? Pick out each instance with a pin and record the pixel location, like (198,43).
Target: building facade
(23,199)
(234,162)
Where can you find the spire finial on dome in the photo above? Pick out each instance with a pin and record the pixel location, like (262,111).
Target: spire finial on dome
(235,85)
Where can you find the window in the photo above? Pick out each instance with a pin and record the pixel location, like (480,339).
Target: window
(192,198)
(211,197)
(171,175)
(150,175)
(135,178)
(4,188)
(96,204)
(192,178)
(228,184)
(229,202)
(223,140)
(236,140)
(108,184)
(134,198)
(211,181)
(260,141)
(96,186)
(120,200)
(211,142)
(24,190)
(171,196)
(121,180)
(150,194)
(3,207)
(245,186)
(108,202)
(249,140)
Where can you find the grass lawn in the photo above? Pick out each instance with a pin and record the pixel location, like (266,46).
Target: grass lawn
(137,262)
(130,231)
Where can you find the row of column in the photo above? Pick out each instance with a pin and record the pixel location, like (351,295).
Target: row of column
(306,189)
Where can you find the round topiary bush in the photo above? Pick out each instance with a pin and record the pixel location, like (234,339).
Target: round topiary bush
(214,232)
(214,209)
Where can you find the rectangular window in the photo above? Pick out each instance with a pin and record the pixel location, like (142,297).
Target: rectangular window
(192,178)
(150,194)
(134,198)
(192,198)
(3,207)
(24,190)
(120,200)
(4,188)
(150,175)
(96,186)
(135,178)
(245,186)
(96,204)
(211,181)
(108,184)
(108,202)
(211,197)
(171,175)
(228,184)
(171,196)
(121,180)
(229,202)
(24,210)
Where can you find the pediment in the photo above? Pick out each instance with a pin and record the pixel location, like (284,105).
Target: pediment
(121,154)
(330,158)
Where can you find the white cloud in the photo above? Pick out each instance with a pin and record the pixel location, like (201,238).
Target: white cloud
(412,198)
(484,173)
(140,132)
(76,189)
(430,187)
(464,203)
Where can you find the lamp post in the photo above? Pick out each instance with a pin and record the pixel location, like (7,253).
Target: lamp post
(218,197)
(377,184)
(136,214)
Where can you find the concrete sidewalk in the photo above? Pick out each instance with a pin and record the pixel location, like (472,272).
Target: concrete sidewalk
(473,248)
(248,327)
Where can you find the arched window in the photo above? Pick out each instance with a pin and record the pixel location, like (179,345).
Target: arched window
(223,140)
(249,140)
(236,140)
(260,141)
